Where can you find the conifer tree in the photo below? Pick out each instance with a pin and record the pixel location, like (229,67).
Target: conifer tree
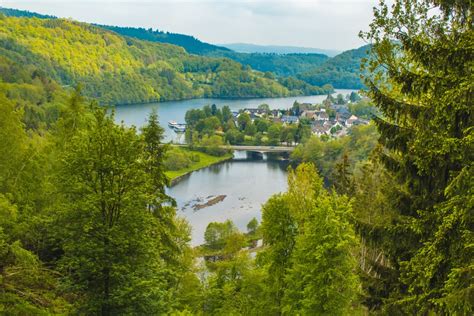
(421,79)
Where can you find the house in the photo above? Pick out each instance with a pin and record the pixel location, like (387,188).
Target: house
(350,121)
(290,119)
(336,124)
(255,113)
(335,127)
(275,113)
(343,115)
(322,116)
(320,130)
(308,114)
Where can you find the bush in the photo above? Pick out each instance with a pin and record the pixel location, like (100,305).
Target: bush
(178,159)
(213,146)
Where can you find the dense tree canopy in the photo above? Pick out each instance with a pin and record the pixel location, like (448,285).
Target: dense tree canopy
(116,69)
(422,82)
(86,226)
(341,71)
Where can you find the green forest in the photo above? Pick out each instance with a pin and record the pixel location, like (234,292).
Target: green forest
(341,71)
(121,70)
(379,222)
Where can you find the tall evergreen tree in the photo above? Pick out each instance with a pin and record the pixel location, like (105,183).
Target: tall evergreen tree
(422,82)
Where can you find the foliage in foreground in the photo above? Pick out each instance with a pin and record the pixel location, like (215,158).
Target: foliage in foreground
(422,82)
(86,227)
(306,266)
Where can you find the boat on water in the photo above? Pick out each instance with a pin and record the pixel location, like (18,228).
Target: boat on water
(177,127)
(172,123)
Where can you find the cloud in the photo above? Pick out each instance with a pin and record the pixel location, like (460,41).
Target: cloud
(332,24)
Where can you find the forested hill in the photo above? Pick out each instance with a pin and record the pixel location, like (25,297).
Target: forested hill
(280,65)
(342,71)
(23,13)
(117,69)
(189,43)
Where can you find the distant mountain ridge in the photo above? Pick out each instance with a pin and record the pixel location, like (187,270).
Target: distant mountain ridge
(278,49)
(24,13)
(188,42)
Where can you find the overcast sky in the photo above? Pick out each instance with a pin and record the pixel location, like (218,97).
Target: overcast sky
(329,24)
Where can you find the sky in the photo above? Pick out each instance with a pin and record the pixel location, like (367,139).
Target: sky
(327,24)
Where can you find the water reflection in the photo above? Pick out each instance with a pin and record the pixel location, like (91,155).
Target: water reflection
(247,182)
(136,114)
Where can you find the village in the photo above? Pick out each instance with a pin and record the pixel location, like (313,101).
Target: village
(330,118)
(213,126)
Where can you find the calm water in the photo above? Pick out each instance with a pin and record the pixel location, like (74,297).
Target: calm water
(136,114)
(247,181)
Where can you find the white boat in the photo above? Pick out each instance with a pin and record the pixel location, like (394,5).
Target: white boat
(172,123)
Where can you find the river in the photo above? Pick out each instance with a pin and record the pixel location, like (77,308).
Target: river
(136,114)
(247,181)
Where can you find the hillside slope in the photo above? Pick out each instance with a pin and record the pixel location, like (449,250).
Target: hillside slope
(117,69)
(191,44)
(280,64)
(341,71)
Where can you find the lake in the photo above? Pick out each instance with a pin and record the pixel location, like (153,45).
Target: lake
(247,181)
(136,114)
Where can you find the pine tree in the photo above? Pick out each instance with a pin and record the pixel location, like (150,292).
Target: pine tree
(343,176)
(422,82)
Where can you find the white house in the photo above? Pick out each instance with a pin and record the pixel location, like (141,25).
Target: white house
(350,121)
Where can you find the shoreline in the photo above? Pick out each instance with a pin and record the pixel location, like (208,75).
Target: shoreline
(225,98)
(174,180)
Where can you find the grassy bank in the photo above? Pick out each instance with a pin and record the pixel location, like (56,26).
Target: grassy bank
(201,160)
